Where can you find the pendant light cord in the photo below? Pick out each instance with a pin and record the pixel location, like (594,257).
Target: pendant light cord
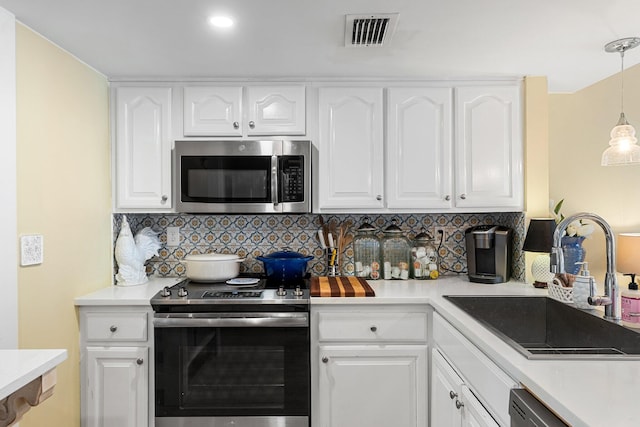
(622,49)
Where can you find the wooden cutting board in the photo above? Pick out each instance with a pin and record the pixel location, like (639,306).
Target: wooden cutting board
(340,286)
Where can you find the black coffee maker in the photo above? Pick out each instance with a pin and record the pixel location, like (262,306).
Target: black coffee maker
(489,253)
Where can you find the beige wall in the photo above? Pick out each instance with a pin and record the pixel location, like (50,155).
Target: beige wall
(536,154)
(579,132)
(64,193)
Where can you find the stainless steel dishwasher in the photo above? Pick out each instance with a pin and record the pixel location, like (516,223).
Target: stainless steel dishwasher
(527,411)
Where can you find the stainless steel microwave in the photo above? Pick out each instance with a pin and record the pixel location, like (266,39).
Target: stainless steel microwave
(243,176)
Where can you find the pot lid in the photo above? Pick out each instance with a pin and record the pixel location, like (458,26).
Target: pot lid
(211,257)
(286,254)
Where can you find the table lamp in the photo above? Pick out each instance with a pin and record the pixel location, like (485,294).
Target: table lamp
(539,239)
(628,256)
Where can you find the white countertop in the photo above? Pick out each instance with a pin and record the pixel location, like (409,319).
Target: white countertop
(127,295)
(19,367)
(584,393)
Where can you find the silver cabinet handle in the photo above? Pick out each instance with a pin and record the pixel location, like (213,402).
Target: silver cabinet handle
(447,197)
(113,328)
(453,395)
(236,125)
(378,197)
(252,124)
(325,359)
(164,199)
(459,404)
(374,328)
(463,196)
(140,361)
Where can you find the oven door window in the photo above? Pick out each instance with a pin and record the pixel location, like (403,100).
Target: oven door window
(226,179)
(232,371)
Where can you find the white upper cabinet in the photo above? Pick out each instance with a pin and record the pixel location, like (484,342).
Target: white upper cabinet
(489,153)
(351,172)
(220,110)
(276,110)
(143,148)
(212,111)
(419,148)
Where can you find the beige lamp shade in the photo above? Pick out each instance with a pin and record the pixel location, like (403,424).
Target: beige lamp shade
(628,253)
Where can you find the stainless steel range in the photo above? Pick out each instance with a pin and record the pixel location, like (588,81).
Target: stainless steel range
(232,355)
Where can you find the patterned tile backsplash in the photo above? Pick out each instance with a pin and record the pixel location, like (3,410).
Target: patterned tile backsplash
(253,235)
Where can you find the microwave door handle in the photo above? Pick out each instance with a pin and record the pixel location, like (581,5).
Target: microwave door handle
(274,180)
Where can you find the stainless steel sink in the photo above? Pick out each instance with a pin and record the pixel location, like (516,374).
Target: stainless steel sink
(543,328)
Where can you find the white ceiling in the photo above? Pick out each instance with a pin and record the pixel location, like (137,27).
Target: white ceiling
(560,39)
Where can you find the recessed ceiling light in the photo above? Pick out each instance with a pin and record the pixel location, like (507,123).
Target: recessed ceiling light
(221,21)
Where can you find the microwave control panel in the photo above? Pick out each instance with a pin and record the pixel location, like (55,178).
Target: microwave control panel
(291,179)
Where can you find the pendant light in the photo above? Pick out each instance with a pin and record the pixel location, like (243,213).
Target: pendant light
(623,148)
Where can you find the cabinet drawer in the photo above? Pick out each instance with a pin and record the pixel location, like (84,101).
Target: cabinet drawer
(372,326)
(102,326)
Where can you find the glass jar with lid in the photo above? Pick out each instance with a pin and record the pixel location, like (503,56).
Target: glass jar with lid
(396,253)
(424,257)
(366,251)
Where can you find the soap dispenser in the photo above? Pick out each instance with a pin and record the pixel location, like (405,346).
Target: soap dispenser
(630,302)
(583,287)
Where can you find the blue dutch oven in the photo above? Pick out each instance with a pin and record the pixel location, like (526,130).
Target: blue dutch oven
(285,266)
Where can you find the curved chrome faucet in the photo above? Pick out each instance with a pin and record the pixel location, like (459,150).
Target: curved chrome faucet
(611,299)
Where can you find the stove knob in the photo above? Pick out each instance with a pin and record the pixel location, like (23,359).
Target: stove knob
(281,291)
(182,292)
(298,292)
(166,292)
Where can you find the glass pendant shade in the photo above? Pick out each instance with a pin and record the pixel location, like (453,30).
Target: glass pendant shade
(623,148)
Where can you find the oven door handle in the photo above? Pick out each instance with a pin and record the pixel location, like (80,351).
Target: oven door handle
(231,320)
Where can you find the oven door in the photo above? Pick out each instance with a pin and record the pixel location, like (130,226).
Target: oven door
(243,369)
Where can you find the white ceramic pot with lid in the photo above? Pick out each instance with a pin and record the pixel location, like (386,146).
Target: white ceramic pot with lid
(212,267)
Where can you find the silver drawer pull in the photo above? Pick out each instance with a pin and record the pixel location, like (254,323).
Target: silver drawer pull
(113,328)
(236,125)
(374,328)
(140,361)
(325,359)
(453,395)
(459,404)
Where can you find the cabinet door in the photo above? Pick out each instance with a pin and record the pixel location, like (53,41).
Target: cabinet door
(446,387)
(419,148)
(117,387)
(276,110)
(351,148)
(488,149)
(143,147)
(212,111)
(372,386)
(473,413)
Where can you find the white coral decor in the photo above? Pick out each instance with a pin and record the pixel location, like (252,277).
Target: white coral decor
(131,254)
(580,229)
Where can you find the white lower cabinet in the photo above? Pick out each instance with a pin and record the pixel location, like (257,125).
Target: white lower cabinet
(467,388)
(117,386)
(369,367)
(453,404)
(115,366)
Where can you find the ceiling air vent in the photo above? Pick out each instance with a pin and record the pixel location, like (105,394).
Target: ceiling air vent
(369,30)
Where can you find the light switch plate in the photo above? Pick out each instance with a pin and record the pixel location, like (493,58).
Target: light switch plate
(173,236)
(31,249)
